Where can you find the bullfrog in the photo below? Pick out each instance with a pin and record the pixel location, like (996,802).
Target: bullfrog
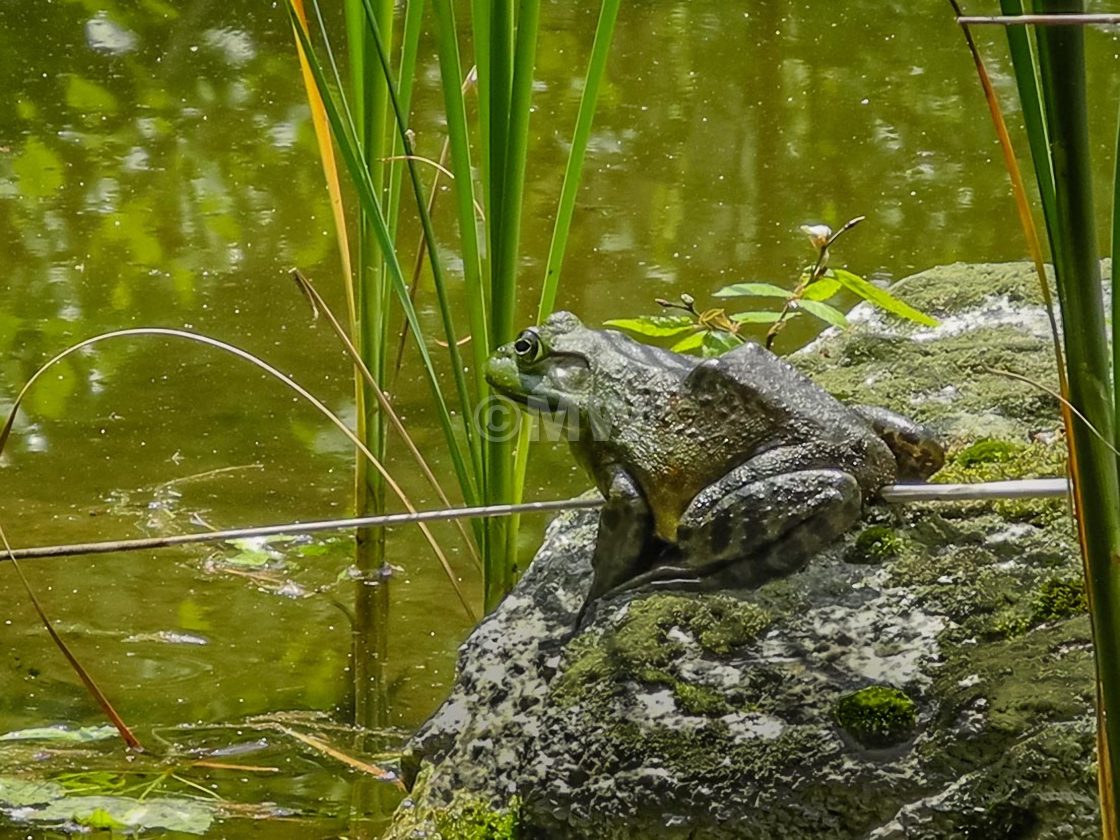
(716,473)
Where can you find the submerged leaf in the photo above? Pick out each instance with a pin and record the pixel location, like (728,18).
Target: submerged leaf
(185,815)
(38,169)
(881,298)
(57,733)
(655,326)
(753,290)
(15,793)
(84,95)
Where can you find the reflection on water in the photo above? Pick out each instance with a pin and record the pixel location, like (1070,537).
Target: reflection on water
(157,167)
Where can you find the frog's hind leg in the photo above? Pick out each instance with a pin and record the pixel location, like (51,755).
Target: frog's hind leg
(758,531)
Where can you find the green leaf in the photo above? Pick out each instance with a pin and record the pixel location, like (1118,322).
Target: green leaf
(822,289)
(56,733)
(753,290)
(718,342)
(655,326)
(881,298)
(756,317)
(828,314)
(691,342)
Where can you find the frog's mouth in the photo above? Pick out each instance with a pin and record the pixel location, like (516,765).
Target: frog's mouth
(542,384)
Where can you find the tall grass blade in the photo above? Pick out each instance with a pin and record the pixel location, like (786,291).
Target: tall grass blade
(454,86)
(1061,54)
(330,166)
(350,149)
(1035,126)
(445,306)
(1024,62)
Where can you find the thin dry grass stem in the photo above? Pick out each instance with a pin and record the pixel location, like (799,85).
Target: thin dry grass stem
(437,164)
(1019,191)
(275,374)
(1066,404)
(98,695)
(383,520)
(320,305)
(238,768)
(891,492)
(422,246)
(338,755)
(1038,20)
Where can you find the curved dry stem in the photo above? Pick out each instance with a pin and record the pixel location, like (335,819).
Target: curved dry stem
(98,695)
(443,169)
(1066,404)
(319,306)
(275,374)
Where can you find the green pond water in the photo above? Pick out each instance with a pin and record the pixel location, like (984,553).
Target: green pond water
(157,168)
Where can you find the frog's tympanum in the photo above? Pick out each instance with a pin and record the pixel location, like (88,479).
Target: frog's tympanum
(716,473)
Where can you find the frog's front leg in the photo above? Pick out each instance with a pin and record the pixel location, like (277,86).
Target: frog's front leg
(625,534)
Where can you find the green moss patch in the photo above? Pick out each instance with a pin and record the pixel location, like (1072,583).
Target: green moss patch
(877,716)
(876,544)
(1060,598)
(644,648)
(471,819)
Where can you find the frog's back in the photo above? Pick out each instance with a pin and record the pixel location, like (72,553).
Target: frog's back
(781,406)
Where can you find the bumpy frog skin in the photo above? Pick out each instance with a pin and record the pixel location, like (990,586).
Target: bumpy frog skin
(718,473)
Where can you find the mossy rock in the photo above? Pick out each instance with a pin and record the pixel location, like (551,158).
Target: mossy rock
(930,676)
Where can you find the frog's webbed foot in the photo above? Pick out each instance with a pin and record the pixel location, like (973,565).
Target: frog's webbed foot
(741,537)
(624,538)
(917,451)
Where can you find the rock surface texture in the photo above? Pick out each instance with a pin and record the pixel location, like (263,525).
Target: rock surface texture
(930,676)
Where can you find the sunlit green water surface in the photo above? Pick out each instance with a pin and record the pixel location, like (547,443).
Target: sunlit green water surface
(157,167)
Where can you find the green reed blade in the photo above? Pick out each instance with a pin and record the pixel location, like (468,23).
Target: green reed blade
(480,33)
(500,86)
(351,151)
(513,182)
(573,170)
(455,109)
(445,305)
(1061,54)
(406,75)
(600,49)
(1115,285)
(1024,62)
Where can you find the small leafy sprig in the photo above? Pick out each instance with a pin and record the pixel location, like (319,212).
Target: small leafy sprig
(714,331)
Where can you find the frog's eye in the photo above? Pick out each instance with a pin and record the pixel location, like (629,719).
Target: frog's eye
(528,346)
